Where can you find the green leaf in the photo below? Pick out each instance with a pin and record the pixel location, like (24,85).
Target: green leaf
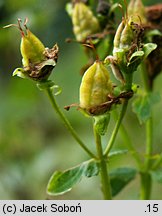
(142,108)
(148,48)
(134,61)
(152,33)
(62,182)
(142,105)
(91,168)
(101,123)
(157,175)
(120,177)
(135,56)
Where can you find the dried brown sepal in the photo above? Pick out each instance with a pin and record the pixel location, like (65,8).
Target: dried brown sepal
(107,106)
(42,70)
(71,105)
(52,53)
(104,107)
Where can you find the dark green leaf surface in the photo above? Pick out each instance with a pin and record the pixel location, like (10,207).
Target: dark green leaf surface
(150,34)
(157,175)
(148,48)
(142,108)
(143,104)
(62,182)
(120,177)
(136,55)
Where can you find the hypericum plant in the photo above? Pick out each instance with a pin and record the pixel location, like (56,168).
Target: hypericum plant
(100,94)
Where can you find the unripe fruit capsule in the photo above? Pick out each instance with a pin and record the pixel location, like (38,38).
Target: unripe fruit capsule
(32,49)
(38,61)
(136,10)
(95,86)
(84,22)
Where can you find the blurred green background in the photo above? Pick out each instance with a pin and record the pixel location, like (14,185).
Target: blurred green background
(33,142)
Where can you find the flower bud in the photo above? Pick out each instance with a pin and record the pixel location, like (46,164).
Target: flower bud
(95,88)
(84,22)
(38,61)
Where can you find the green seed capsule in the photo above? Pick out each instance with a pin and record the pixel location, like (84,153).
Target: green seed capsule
(118,36)
(38,61)
(84,22)
(95,86)
(123,40)
(127,41)
(31,49)
(136,10)
(124,36)
(127,36)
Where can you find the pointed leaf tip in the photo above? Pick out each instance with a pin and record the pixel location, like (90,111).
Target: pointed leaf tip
(148,48)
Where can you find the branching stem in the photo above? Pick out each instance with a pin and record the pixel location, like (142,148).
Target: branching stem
(116,129)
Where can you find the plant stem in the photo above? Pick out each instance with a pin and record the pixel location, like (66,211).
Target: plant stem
(106,188)
(146,185)
(116,129)
(146,181)
(148,143)
(149,124)
(128,86)
(67,123)
(128,142)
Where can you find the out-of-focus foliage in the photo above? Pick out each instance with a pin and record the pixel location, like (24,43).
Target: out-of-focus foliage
(33,143)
